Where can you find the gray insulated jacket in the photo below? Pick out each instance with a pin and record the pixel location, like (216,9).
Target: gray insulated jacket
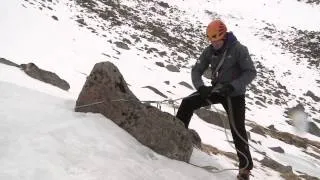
(237,68)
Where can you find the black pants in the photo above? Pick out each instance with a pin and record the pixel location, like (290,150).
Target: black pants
(194,101)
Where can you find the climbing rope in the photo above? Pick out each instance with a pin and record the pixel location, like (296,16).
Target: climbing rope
(226,134)
(172,101)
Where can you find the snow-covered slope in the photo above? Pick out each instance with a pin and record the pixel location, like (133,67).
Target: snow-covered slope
(42,138)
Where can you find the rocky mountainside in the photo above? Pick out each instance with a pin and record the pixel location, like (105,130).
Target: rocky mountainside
(151,22)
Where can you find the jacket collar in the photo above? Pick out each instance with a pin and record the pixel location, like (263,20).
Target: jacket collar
(231,40)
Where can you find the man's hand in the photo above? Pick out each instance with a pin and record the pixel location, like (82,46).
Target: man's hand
(226,89)
(205,91)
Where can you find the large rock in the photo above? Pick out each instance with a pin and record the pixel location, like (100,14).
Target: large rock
(212,117)
(105,91)
(45,76)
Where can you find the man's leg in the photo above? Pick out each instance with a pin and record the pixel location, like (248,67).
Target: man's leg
(191,103)
(188,105)
(238,108)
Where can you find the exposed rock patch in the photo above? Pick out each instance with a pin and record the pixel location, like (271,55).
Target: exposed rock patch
(172,68)
(277,149)
(45,76)
(186,85)
(8,62)
(155,91)
(212,117)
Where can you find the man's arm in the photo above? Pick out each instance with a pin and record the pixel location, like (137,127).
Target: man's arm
(247,67)
(198,69)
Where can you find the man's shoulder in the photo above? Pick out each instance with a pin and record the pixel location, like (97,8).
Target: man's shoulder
(239,47)
(207,49)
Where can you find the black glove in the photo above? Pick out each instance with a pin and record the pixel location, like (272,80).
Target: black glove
(226,89)
(204,91)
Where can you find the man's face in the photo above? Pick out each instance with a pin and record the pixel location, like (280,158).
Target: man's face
(217,44)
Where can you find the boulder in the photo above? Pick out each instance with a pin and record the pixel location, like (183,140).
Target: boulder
(196,140)
(212,117)
(45,76)
(105,91)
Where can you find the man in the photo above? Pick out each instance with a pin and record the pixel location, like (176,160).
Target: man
(232,70)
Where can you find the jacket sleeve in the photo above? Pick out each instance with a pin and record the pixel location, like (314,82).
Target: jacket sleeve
(248,71)
(198,70)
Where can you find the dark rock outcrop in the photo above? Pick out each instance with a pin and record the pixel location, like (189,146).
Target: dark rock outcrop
(196,140)
(313,96)
(160,131)
(45,76)
(313,129)
(186,85)
(275,165)
(277,149)
(7,62)
(160,64)
(122,45)
(284,136)
(156,91)
(172,68)
(259,130)
(212,117)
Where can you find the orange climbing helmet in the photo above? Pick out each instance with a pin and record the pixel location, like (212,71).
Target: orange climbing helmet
(216,30)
